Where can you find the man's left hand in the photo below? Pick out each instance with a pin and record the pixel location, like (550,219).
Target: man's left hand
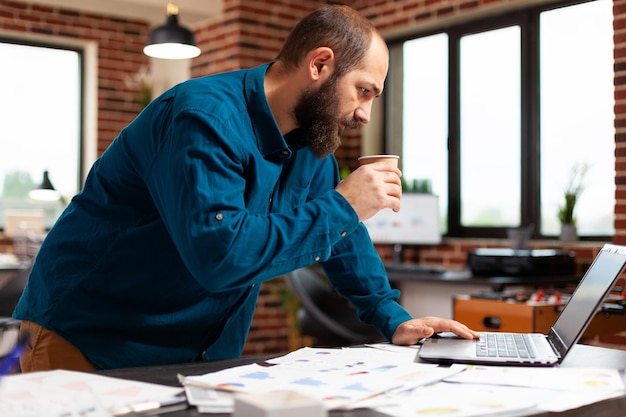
(412,331)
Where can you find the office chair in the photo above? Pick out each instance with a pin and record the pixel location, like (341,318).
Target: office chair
(324,314)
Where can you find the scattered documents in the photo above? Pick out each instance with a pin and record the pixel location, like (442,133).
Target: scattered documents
(381,377)
(386,378)
(340,378)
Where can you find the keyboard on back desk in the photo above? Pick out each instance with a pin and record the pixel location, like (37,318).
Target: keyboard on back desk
(504,345)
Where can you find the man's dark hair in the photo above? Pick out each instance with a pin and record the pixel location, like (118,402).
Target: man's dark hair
(338,27)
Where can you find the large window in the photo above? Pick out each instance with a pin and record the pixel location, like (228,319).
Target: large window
(40,125)
(496,114)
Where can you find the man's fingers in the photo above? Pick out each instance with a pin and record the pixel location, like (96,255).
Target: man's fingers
(410,334)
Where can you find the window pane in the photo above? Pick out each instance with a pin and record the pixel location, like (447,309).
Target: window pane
(576,70)
(40,108)
(490,128)
(425,116)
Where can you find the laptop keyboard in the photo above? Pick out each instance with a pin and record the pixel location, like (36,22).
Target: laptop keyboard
(504,345)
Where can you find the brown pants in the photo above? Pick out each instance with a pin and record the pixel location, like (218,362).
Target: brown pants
(46,350)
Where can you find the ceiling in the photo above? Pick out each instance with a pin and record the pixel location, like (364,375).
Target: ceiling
(191,12)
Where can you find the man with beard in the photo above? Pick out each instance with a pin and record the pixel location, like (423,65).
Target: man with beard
(220,184)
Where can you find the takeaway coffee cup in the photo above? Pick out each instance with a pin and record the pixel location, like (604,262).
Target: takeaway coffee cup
(388,159)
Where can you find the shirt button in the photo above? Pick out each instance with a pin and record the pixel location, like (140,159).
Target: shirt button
(285,152)
(343,234)
(317,259)
(219,216)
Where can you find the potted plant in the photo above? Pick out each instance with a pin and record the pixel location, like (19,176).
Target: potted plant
(572,192)
(142,83)
(419,186)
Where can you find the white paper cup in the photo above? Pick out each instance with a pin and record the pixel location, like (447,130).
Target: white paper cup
(391,160)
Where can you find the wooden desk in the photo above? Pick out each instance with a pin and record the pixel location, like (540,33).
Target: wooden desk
(580,356)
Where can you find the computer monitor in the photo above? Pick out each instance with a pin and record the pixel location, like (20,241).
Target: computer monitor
(417,222)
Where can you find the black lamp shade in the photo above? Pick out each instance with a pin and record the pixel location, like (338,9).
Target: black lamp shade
(46,184)
(172,41)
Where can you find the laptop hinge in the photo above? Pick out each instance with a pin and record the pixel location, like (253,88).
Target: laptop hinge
(557,343)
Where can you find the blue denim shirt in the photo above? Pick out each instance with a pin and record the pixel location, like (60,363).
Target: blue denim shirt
(197,202)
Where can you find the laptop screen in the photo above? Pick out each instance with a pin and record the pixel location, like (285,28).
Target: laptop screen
(587,297)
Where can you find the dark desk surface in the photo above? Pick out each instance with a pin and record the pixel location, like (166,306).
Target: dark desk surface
(580,356)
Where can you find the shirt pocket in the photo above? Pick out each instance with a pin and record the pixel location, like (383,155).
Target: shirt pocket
(290,197)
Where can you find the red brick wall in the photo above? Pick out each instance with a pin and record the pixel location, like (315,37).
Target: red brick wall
(248,33)
(619,36)
(120,45)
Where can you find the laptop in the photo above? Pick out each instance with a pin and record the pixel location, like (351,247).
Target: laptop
(536,349)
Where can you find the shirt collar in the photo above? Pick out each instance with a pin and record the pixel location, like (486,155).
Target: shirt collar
(270,140)
(295,140)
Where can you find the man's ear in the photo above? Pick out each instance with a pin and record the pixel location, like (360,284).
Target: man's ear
(321,63)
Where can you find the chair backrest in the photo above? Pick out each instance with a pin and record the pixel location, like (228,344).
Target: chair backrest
(324,314)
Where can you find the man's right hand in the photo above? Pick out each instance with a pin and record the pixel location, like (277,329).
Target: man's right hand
(371,188)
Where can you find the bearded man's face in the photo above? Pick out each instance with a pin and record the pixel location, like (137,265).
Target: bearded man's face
(318,115)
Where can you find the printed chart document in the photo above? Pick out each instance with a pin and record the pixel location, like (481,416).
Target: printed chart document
(488,390)
(63,393)
(450,400)
(554,389)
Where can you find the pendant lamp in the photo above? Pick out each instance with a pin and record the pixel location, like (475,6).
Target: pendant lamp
(171,41)
(45,191)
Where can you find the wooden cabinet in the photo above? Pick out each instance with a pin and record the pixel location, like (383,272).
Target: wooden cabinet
(510,316)
(485,315)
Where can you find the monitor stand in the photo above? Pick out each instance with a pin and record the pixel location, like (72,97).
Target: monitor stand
(397,255)
(397,264)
